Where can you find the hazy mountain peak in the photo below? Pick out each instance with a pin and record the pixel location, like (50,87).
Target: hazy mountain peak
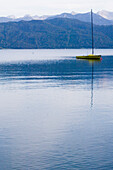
(27,17)
(11,16)
(73,13)
(106,14)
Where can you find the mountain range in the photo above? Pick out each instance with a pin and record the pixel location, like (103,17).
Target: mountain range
(100,18)
(54,33)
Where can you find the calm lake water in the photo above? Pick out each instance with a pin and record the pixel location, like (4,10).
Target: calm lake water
(56,112)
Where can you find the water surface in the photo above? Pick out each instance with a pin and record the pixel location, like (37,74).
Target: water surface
(56,112)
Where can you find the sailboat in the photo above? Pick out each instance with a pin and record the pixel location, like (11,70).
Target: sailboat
(90,56)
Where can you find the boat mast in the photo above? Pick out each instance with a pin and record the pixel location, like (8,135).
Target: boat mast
(92,31)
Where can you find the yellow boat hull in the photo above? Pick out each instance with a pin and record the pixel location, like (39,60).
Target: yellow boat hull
(92,56)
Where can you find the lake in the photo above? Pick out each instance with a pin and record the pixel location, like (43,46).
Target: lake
(56,112)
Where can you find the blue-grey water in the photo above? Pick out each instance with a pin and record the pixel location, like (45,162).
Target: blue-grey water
(56,112)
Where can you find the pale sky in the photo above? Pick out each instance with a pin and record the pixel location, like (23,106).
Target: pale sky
(50,7)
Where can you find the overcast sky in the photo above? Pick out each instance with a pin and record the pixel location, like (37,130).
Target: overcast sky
(45,7)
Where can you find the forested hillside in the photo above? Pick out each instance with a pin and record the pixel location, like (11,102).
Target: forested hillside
(54,33)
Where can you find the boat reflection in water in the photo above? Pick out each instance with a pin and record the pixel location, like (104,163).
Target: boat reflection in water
(92,62)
